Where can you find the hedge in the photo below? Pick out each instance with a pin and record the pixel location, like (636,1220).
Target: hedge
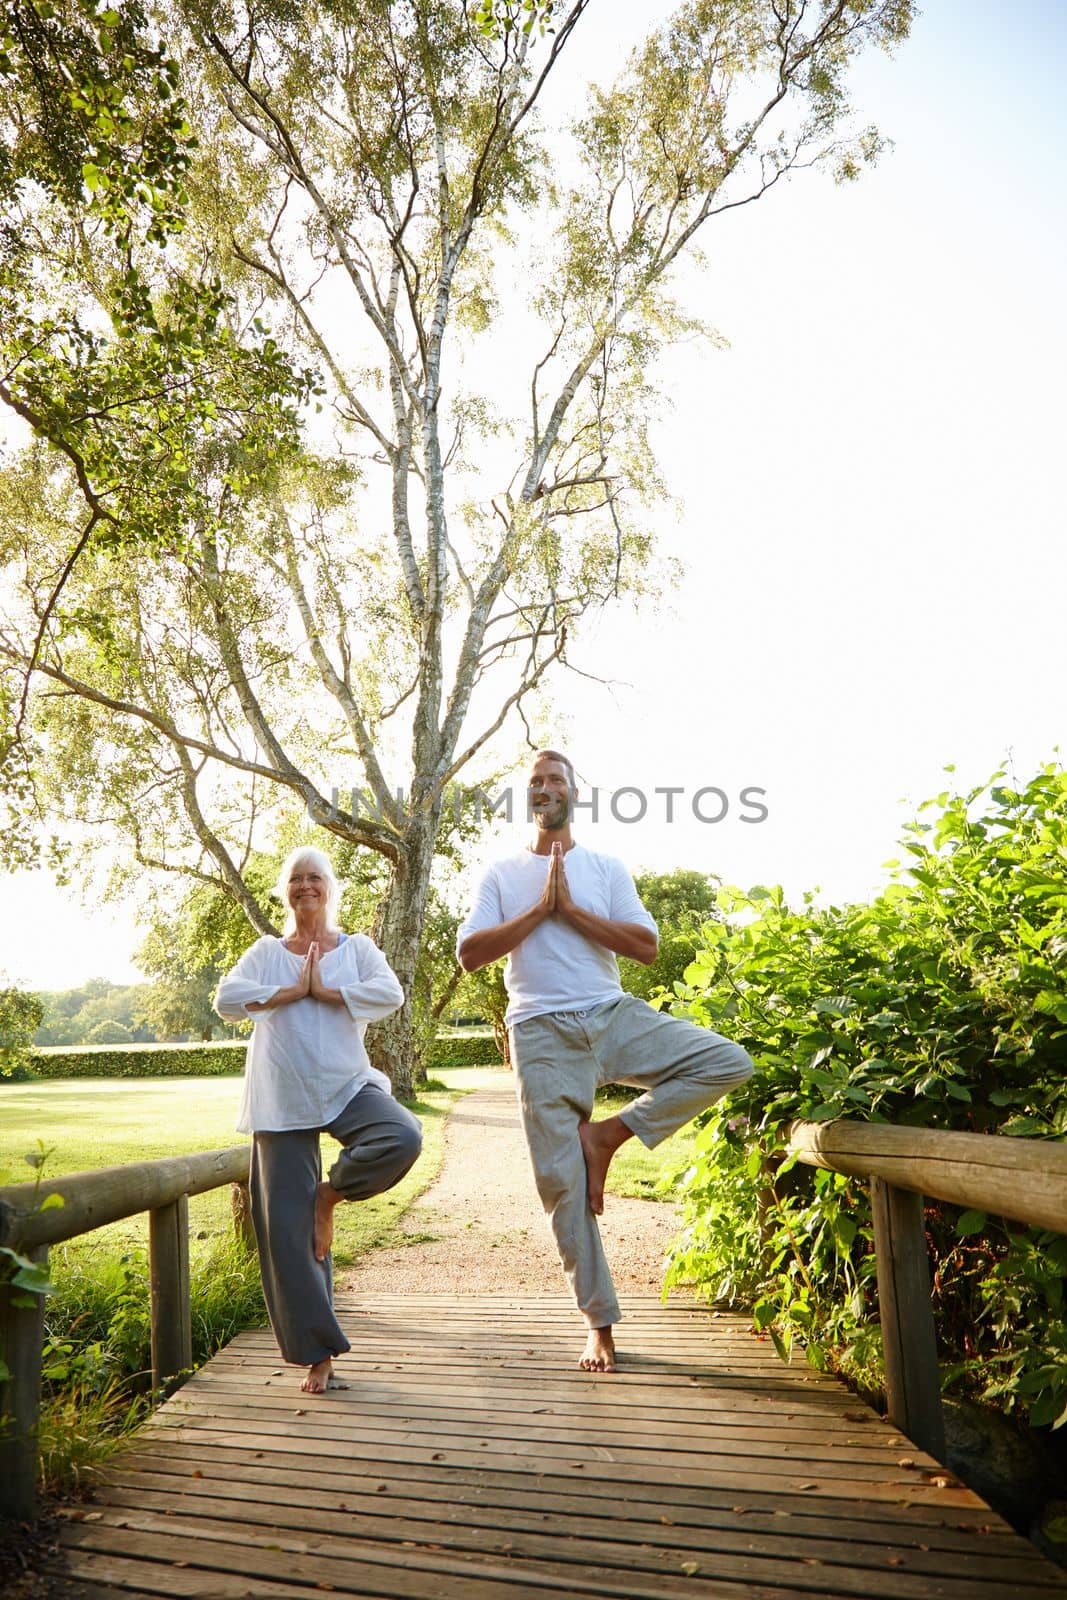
(464,1050)
(139,1060)
(214,1060)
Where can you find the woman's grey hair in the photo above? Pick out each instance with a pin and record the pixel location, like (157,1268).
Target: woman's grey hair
(305,855)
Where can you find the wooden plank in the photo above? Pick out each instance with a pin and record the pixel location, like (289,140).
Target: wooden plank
(1021,1178)
(555,1553)
(913,1383)
(412,1574)
(108,1194)
(171,1312)
(685,1505)
(427,1402)
(445,1472)
(715,1472)
(454,1521)
(21,1344)
(591,1424)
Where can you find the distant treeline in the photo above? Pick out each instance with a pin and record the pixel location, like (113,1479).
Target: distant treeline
(105,1013)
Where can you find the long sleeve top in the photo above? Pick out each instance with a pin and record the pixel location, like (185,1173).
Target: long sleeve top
(307,1059)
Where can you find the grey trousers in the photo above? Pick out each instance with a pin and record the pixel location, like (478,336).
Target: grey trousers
(380,1142)
(560,1061)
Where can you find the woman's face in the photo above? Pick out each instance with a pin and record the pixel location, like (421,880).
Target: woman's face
(307,887)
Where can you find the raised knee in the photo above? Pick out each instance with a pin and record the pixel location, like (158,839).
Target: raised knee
(410,1143)
(742,1066)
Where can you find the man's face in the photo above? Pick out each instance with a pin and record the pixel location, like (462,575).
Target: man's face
(550,794)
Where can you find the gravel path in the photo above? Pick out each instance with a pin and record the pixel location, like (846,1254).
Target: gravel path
(480,1227)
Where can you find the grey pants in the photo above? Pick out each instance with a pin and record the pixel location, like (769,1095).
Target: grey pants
(560,1061)
(380,1142)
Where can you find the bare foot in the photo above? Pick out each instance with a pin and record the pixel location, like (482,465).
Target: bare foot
(326,1197)
(599,1352)
(600,1140)
(318,1377)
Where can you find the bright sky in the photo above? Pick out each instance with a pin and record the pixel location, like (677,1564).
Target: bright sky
(871,515)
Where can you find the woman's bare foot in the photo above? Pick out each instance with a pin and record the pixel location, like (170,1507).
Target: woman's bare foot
(600,1140)
(599,1352)
(326,1197)
(317,1377)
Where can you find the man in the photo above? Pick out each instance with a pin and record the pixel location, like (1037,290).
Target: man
(561,914)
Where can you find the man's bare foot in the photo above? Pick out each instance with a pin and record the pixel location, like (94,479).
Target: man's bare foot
(600,1140)
(318,1376)
(326,1197)
(599,1352)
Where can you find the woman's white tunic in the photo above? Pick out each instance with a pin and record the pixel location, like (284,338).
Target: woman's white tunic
(306,1060)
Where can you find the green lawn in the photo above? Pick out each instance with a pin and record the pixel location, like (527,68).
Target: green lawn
(86,1123)
(635,1171)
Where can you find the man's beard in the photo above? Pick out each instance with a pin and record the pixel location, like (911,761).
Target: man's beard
(554,818)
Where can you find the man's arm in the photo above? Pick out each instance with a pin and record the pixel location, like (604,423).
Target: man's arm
(631,939)
(489,944)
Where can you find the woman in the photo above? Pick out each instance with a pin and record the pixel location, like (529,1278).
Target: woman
(312,993)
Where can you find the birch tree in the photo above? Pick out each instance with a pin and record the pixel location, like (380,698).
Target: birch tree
(398,334)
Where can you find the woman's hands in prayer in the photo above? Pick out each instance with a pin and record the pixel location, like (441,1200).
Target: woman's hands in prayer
(308,985)
(316,988)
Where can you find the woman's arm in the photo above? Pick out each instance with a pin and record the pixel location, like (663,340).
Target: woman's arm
(375,991)
(292,991)
(245,991)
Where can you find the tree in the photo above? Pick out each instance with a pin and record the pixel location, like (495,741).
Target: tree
(681,902)
(309,602)
(20,1016)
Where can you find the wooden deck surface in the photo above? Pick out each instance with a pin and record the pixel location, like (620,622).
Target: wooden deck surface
(470,1459)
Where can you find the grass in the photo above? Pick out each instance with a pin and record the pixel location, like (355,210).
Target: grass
(85,1123)
(636,1172)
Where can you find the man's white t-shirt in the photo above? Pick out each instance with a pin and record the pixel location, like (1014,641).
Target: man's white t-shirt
(556,968)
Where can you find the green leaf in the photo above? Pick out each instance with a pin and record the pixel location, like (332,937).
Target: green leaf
(52,1202)
(91,176)
(971,1222)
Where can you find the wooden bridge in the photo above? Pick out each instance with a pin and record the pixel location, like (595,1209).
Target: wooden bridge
(469,1459)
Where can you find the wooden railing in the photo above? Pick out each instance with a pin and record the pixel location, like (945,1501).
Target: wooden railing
(91,1200)
(1024,1179)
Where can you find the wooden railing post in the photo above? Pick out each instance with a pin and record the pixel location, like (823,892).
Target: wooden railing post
(913,1389)
(21,1345)
(241,1210)
(168,1256)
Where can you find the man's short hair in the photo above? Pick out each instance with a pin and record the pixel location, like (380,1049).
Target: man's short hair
(557,755)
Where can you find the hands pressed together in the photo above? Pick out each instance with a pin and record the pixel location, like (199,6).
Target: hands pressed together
(309,985)
(556,895)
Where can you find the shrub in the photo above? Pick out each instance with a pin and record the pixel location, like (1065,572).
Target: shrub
(140,1060)
(20,1016)
(938,1004)
(96,1381)
(468,1050)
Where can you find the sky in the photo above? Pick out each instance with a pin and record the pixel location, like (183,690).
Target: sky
(865,497)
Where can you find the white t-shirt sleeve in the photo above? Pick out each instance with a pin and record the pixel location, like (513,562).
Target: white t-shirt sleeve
(487,910)
(626,903)
(245,985)
(376,993)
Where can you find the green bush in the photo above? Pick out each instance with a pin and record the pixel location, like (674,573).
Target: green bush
(140,1060)
(942,1004)
(20,1015)
(95,1370)
(467,1050)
